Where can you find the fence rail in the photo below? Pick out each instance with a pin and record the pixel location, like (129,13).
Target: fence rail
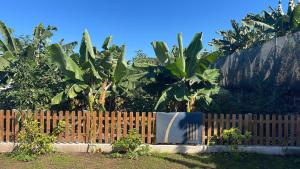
(266,129)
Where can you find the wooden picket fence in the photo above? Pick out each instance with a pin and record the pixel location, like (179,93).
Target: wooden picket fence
(108,126)
(266,129)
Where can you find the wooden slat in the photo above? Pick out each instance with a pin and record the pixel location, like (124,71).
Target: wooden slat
(203,129)
(268,129)
(221,123)
(240,122)
(143,126)
(94,127)
(209,124)
(274,138)
(137,122)
(254,129)
(79,119)
(7,138)
(73,124)
(280,141)
(286,129)
(1,125)
(215,122)
(15,126)
(261,129)
(67,118)
(119,125)
(106,127)
(233,122)
(246,122)
(87,125)
(100,137)
(42,121)
(112,128)
(292,134)
(250,126)
(227,121)
(125,123)
(61,118)
(131,121)
(48,121)
(298,130)
(149,121)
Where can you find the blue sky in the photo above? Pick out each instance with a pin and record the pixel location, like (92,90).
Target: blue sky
(135,23)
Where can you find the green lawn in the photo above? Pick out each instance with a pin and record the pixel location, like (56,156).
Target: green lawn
(174,161)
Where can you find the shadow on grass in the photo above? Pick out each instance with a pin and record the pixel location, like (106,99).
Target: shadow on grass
(236,161)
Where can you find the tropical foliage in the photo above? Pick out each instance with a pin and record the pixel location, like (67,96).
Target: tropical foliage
(257,28)
(188,77)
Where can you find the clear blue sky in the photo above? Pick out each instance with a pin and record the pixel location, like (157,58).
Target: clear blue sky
(135,23)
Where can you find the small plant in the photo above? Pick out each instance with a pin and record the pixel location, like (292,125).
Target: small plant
(130,147)
(32,142)
(234,137)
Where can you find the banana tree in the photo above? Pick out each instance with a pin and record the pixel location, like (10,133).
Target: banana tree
(187,69)
(85,72)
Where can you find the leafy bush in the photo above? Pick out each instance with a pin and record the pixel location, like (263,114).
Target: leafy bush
(234,137)
(130,147)
(32,142)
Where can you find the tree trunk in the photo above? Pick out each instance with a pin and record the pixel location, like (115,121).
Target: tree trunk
(103,94)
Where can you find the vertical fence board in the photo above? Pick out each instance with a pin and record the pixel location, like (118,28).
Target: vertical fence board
(254,122)
(292,129)
(274,138)
(48,121)
(143,127)
(240,123)
(87,125)
(42,122)
(149,121)
(279,130)
(298,130)
(7,127)
(268,129)
(131,121)
(209,124)
(125,124)
(61,117)
(79,137)
(73,124)
(94,126)
(261,129)
(137,122)
(119,125)
(100,128)
(221,125)
(1,125)
(215,130)
(67,118)
(233,121)
(112,127)
(106,127)
(203,128)
(286,129)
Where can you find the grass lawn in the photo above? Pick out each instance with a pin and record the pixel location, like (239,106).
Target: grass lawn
(174,161)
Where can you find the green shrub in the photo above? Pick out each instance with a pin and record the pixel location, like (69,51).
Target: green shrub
(33,142)
(234,137)
(130,147)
